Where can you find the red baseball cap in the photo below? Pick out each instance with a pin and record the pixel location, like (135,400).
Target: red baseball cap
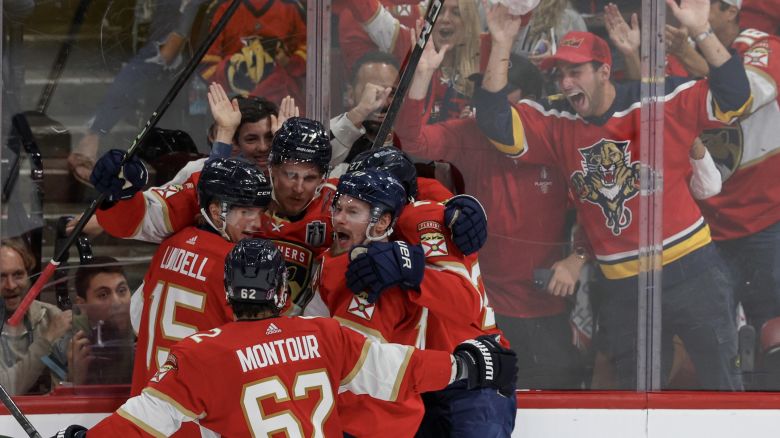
(578,48)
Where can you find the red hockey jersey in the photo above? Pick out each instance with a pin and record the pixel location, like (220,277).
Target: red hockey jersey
(599,156)
(184,293)
(455,297)
(520,239)
(273,376)
(157,213)
(245,53)
(393,318)
(747,152)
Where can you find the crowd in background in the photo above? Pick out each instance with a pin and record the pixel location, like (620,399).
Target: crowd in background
(496,109)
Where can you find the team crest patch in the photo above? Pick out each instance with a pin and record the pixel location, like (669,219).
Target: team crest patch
(171,363)
(429,225)
(757,56)
(299,261)
(726,146)
(608,179)
(360,307)
(434,244)
(316,233)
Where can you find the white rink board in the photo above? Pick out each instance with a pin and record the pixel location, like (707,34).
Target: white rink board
(552,423)
(638,423)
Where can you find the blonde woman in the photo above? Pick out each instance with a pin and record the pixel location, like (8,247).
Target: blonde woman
(457,29)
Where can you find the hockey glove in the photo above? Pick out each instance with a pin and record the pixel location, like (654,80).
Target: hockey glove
(381,265)
(74,431)
(468,222)
(107,177)
(483,362)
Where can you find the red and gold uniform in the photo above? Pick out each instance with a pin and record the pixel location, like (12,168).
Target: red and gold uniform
(278,375)
(747,152)
(393,318)
(184,293)
(262,50)
(599,156)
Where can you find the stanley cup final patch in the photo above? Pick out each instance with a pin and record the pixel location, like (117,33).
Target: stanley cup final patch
(434,244)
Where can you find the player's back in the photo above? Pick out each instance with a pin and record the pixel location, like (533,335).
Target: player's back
(183,294)
(277,374)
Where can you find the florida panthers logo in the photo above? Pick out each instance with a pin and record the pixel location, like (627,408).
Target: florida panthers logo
(726,146)
(608,179)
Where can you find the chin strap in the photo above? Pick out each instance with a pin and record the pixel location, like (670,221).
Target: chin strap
(386,234)
(222,215)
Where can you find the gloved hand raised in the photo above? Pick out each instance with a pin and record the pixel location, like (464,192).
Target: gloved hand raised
(483,362)
(107,178)
(467,219)
(380,265)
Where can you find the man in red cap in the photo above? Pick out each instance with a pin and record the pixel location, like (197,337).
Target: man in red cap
(591,133)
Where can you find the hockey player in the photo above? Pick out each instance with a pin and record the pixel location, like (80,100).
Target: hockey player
(378,269)
(181,291)
(266,374)
(463,214)
(365,208)
(592,135)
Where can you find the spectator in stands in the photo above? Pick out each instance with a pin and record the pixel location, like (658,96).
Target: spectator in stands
(592,136)
(763,15)
(705,179)
(262,52)
(745,216)
(535,320)
(458,27)
(368,97)
(354,39)
(153,67)
(23,346)
(101,350)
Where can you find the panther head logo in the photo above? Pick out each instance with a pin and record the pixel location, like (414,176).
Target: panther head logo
(608,179)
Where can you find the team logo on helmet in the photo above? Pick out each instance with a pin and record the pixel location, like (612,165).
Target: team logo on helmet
(726,145)
(608,179)
(299,261)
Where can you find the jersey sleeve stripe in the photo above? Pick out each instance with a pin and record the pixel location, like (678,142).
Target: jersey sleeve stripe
(381,371)
(358,364)
(401,372)
(168,399)
(519,145)
(374,335)
(153,411)
(381,360)
(164,210)
(729,116)
(139,423)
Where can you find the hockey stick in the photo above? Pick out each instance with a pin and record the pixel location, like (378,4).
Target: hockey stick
(431,14)
(156,115)
(14,410)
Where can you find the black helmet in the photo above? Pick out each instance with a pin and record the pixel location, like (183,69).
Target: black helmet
(391,159)
(255,273)
(302,140)
(234,182)
(378,188)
